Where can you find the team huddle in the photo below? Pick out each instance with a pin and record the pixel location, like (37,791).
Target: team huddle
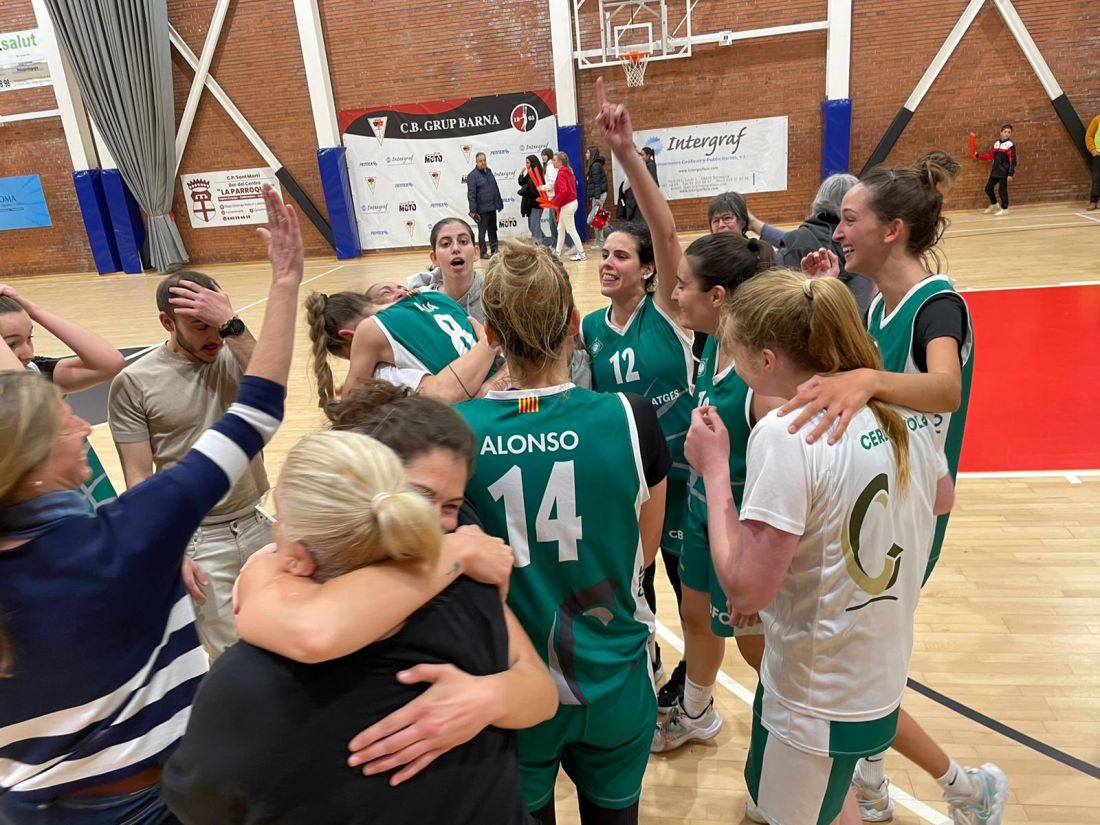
(790,458)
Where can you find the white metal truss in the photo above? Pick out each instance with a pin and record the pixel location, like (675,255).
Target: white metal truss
(202,71)
(1019,32)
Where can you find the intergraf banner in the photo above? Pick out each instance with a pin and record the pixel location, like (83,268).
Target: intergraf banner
(705,160)
(408,164)
(227,198)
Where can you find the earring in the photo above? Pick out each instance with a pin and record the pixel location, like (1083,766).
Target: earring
(37,483)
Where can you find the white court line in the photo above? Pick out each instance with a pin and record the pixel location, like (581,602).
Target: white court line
(1029,286)
(981,216)
(1087,217)
(306,281)
(1000,229)
(922,810)
(1073,476)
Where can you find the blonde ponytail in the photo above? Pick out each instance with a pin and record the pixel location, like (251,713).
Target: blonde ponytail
(815,323)
(528,302)
(344,496)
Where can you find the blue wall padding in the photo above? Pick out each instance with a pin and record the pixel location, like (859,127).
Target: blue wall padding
(97,220)
(836,136)
(332,162)
(571,141)
(125,220)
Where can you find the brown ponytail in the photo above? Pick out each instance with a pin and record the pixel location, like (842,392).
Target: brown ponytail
(815,323)
(326,315)
(914,195)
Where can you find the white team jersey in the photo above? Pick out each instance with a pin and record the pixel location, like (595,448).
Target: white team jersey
(840,632)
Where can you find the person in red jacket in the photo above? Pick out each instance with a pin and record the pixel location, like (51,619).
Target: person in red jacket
(565,199)
(1003,155)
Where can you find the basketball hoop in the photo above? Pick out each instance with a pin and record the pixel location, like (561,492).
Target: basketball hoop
(634,64)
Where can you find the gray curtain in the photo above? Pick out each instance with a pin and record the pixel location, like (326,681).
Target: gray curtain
(121,58)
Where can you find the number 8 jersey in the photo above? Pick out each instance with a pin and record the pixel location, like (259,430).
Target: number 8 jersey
(427,330)
(561,475)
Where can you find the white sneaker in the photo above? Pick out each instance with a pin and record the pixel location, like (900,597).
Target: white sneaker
(754,813)
(678,728)
(875,804)
(579,256)
(989,210)
(986,805)
(1000,212)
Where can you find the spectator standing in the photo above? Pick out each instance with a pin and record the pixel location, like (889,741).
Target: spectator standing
(1093,145)
(485,201)
(595,184)
(1003,155)
(650,163)
(565,199)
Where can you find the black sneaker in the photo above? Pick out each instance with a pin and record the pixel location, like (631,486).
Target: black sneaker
(672,693)
(655,661)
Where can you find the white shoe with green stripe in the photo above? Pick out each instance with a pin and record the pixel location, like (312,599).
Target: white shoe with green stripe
(874,803)
(986,803)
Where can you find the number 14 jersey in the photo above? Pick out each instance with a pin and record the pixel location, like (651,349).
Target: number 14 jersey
(561,475)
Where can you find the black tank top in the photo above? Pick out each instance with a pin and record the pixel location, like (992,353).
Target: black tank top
(267,740)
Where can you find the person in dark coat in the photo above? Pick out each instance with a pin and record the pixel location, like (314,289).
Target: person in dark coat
(650,162)
(485,201)
(816,232)
(595,185)
(530,197)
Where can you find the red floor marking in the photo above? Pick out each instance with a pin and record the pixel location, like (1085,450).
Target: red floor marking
(1035,404)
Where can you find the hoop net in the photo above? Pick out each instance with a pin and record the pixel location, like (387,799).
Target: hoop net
(634,64)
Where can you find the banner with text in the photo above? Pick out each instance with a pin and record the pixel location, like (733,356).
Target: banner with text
(22,61)
(408,164)
(23,203)
(705,160)
(227,198)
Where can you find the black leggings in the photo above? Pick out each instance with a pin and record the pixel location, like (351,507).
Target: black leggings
(1094,195)
(672,569)
(591,814)
(989,189)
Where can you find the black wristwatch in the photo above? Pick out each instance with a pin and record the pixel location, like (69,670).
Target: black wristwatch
(231,328)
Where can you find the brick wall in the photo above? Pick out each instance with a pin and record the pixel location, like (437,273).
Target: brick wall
(390,51)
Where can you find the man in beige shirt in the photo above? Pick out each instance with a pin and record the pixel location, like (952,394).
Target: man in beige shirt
(157,409)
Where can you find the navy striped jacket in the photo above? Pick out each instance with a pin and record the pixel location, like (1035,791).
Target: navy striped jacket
(107,659)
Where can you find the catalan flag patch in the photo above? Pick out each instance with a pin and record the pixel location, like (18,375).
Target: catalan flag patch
(529,404)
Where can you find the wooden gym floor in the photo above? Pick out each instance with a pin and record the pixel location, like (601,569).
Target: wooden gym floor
(1009,625)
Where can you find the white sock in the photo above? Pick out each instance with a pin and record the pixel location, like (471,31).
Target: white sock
(956,782)
(871,771)
(696,697)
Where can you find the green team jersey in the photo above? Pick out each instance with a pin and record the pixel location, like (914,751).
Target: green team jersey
(651,357)
(559,476)
(97,490)
(427,330)
(731,395)
(894,334)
